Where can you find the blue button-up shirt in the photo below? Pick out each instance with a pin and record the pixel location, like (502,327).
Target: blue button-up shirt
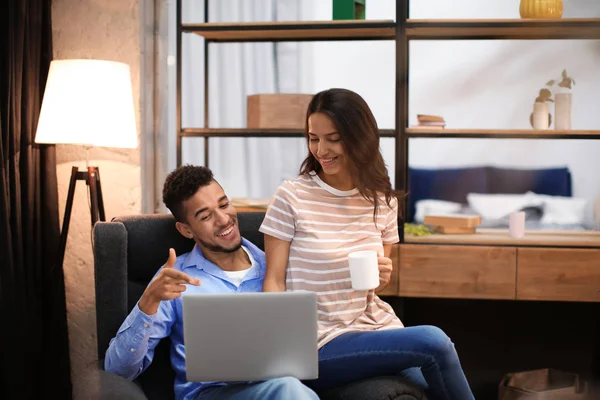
(131,351)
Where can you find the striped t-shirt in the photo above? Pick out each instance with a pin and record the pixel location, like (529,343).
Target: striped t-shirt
(324,225)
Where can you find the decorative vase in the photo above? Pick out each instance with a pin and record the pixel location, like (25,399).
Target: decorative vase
(540,118)
(541,9)
(562,111)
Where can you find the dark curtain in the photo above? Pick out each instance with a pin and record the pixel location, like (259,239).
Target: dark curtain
(34,354)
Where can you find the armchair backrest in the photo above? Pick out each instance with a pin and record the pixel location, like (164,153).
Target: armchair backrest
(127,253)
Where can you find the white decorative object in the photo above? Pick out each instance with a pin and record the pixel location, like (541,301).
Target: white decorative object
(540,116)
(562,111)
(364,270)
(516,224)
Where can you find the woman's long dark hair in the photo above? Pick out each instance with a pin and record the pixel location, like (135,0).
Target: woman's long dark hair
(360,136)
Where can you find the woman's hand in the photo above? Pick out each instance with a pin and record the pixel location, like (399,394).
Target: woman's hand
(385,272)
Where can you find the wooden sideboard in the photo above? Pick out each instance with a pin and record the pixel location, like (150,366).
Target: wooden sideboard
(543,265)
(525,271)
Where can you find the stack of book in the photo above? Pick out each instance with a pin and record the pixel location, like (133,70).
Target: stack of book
(453,223)
(430,121)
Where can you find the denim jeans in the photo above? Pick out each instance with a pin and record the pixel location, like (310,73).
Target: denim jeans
(423,354)
(273,389)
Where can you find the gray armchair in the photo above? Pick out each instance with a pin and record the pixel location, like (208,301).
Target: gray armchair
(127,253)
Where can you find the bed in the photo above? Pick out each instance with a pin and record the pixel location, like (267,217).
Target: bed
(493,192)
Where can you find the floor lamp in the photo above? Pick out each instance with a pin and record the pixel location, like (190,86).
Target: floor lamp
(89,103)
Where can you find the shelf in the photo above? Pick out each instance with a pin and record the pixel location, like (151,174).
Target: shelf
(416,29)
(499,237)
(501,133)
(295,31)
(260,133)
(456,29)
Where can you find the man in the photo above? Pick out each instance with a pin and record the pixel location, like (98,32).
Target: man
(220,262)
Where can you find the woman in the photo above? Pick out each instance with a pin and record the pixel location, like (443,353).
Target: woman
(343,201)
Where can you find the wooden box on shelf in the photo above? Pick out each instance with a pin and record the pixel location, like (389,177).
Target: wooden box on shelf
(277,111)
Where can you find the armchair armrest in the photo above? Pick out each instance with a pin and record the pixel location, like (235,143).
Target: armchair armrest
(104,385)
(113,386)
(110,269)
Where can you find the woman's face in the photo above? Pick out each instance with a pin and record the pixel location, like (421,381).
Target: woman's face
(325,144)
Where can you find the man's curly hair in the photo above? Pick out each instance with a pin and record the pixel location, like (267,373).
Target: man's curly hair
(181,184)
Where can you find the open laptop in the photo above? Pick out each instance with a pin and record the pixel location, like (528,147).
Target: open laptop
(250,336)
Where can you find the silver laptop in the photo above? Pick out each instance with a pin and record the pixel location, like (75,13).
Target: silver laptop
(250,336)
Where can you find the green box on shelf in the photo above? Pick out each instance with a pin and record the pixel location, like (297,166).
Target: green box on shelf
(349,9)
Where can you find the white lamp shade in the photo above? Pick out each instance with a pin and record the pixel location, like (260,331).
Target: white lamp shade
(88,102)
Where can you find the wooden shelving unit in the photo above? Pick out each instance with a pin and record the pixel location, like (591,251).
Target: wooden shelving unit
(294,31)
(297,31)
(402,30)
(260,133)
(494,29)
(548,266)
(502,133)
(499,237)
(409,29)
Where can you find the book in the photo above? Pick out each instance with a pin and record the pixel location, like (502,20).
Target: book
(453,220)
(430,118)
(455,231)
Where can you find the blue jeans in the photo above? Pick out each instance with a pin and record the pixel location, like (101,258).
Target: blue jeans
(423,354)
(273,389)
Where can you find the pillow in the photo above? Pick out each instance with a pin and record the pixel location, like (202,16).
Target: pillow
(431,206)
(498,206)
(563,210)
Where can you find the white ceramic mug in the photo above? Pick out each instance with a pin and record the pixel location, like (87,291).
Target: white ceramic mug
(364,270)
(516,224)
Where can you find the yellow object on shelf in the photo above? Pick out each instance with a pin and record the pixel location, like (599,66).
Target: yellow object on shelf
(552,9)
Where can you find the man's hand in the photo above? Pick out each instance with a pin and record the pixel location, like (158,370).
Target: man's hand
(385,272)
(167,285)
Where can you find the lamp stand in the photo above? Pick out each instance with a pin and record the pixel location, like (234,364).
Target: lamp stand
(92,180)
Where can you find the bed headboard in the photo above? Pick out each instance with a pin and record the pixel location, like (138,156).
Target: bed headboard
(453,184)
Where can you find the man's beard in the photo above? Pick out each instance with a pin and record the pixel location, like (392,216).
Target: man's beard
(220,249)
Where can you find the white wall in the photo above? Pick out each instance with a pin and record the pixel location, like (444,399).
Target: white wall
(247,168)
(473,84)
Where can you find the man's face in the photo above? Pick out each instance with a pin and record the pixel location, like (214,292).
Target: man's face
(211,220)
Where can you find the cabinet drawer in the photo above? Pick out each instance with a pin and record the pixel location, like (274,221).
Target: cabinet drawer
(469,272)
(558,274)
